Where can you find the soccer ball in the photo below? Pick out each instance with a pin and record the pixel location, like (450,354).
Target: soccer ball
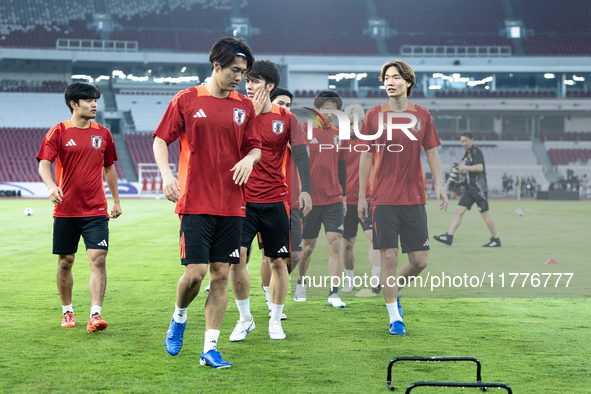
(518,212)
(28,211)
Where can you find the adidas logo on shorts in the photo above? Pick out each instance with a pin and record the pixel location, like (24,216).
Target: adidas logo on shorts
(283,250)
(235,253)
(426,242)
(103,243)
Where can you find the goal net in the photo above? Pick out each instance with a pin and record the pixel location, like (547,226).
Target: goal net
(151,180)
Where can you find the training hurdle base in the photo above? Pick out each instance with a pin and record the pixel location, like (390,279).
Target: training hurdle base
(479,384)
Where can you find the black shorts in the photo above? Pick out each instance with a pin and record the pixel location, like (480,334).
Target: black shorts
(295,235)
(249,248)
(210,238)
(67,231)
(470,197)
(271,221)
(330,215)
(352,221)
(407,221)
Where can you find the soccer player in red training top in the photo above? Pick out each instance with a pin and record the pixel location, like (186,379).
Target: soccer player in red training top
(283,98)
(328,164)
(398,195)
(218,148)
(356,115)
(267,199)
(83,149)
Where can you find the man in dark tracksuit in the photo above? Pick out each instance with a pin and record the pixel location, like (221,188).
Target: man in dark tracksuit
(476,192)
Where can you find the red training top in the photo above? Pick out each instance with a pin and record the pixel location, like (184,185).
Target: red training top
(267,182)
(399,176)
(353,171)
(326,151)
(215,134)
(81,155)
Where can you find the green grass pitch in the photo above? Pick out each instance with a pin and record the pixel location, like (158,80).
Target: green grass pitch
(536,343)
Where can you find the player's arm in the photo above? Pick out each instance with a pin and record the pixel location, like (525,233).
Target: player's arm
(170,185)
(435,165)
(55,193)
(302,160)
(243,168)
(343,181)
(364,168)
(473,168)
(111,177)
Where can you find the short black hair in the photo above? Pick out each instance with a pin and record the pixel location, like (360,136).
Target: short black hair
(267,70)
(80,91)
(467,135)
(327,95)
(225,50)
(281,92)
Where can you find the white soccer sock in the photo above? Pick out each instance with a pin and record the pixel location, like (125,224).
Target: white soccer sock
(244,309)
(211,340)
(276,311)
(67,308)
(95,309)
(267,295)
(375,271)
(180,314)
(393,312)
(348,274)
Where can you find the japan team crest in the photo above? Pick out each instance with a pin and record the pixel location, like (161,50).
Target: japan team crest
(239,116)
(97,141)
(337,140)
(278,127)
(417,127)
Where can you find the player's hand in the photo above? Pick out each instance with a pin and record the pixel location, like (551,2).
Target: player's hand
(259,100)
(171,188)
(362,209)
(442,198)
(116,210)
(344,206)
(55,195)
(461,167)
(242,170)
(305,202)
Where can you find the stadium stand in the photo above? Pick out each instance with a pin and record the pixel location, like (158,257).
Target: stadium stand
(146,110)
(186,25)
(34,110)
(568,156)
(565,136)
(559,29)
(513,93)
(17,154)
(140,149)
